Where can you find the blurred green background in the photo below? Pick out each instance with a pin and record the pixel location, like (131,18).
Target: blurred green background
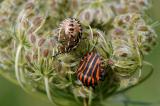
(149,91)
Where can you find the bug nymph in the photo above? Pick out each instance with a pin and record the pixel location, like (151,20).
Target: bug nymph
(91,69)
(69,34)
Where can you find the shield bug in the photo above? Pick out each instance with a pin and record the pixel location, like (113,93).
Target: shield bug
(91,69)
(69,34)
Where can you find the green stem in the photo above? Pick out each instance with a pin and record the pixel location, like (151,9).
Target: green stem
(46,82)
(18,72)
(90,97)
(85,102)
(16,66)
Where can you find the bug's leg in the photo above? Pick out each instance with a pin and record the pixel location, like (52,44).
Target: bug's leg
(83,81)
(102,76)
(93,87)
(95,83)
(89,81)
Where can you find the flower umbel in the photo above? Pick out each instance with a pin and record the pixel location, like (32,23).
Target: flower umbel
(46,51)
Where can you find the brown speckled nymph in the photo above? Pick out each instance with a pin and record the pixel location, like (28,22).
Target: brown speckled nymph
(91,69)
(69,34)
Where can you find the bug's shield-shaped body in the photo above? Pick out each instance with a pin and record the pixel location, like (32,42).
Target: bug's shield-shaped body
(69,34)
(90,70)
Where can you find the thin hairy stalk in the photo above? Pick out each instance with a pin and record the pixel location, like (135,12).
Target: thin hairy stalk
(39,26)
(91,31)
(39,55)
(155,24)
(59,33)
(102,37)
(140,73)
(94,45)
(107,50)
(69,65)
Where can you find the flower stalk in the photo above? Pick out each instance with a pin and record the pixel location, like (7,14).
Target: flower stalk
(17,73)
(46,82)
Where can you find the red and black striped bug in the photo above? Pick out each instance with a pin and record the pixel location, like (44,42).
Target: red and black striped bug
(91,69)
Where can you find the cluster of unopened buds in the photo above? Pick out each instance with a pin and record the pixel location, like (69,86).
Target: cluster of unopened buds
(85,59)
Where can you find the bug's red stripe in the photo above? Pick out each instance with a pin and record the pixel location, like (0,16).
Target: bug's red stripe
(98,71)
(97,74)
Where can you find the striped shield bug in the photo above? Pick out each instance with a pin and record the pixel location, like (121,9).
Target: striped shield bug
(91,69)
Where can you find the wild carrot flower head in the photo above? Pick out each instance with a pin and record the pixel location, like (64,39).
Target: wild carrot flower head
(75,52)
